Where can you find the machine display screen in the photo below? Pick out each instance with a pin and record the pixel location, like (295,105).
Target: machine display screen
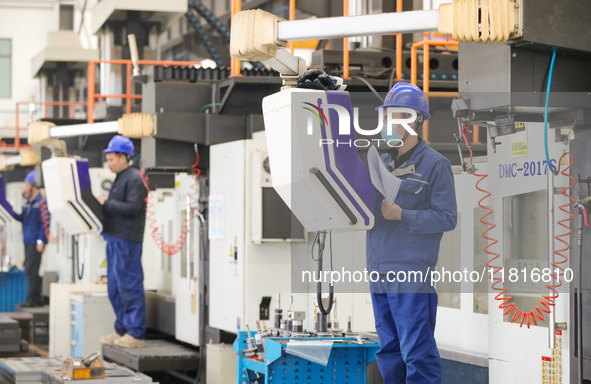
(278,221)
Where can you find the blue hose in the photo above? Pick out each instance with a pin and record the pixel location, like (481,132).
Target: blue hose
(552,168)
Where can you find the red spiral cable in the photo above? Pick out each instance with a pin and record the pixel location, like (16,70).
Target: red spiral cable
(549,299)
(45,219)
(152,221)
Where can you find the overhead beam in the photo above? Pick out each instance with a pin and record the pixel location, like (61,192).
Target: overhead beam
(364,25)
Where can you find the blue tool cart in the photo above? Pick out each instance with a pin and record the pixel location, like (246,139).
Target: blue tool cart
(13,289)
(347,363)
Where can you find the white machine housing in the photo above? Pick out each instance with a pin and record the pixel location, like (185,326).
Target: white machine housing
(5,207)
(325,185)
(242,261)
(67,185)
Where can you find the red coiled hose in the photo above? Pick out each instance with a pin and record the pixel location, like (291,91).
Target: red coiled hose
(152,221)
(549,299)
(45,218)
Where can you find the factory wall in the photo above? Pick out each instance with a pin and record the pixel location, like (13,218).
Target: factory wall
(26,23)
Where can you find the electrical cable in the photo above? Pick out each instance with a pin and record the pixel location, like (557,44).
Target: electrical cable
(548,85)
(586,217)
(330,244)
(371,88)
(75,250)
(321,237)
(313,245)
(579,296)
(391,81)
(152,221)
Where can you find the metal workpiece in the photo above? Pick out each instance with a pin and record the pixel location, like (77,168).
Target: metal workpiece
(157,355)
(250,349)
(46,370)
(10,335)
(40,323)
(27,369)
(290,314)
(297,321)
(278,313)
(25,324)
(321,322)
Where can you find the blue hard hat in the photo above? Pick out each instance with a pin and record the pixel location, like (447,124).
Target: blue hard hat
(30,177)
(120,144)
(407,95)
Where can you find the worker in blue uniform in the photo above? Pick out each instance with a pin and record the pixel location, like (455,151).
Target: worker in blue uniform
(34,239)
(405,239)
(123,229)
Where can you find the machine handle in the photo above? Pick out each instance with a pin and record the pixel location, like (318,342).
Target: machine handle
(334,194)
(88,359)
(134,54)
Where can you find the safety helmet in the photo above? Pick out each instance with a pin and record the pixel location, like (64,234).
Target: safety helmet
(30,177)
(120,144)
(407,95)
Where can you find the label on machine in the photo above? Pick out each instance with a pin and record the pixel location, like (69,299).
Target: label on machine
(216,217)
(552,366)
(519,141)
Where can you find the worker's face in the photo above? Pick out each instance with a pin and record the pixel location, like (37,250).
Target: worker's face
(116,161)
(28,189)
(398,127)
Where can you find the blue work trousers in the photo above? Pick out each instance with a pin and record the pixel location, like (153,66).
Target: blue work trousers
(125,283)
(405,323)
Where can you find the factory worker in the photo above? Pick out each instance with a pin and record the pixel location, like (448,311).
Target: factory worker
(406,238)
(123,228)
(33,238)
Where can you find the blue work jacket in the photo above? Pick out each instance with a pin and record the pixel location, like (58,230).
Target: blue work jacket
(428,203)
(30,216)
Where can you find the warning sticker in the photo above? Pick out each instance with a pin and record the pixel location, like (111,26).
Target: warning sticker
(519,141)
(552,366)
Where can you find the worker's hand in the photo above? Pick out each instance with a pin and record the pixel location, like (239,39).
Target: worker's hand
(391,211)
(40,247)
(100,200)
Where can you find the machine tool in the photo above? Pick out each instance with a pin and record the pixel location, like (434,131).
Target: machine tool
(520,199)
(88,367)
